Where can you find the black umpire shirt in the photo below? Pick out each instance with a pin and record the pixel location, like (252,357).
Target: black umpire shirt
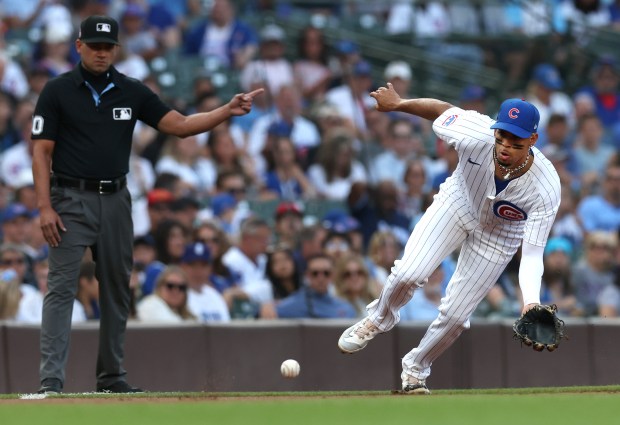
(93,131)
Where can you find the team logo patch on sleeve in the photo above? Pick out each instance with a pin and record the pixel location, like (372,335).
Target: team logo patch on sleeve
(123,114)
(508,211)
(450,120)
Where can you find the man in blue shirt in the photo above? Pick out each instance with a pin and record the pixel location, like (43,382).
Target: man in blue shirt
(313,299)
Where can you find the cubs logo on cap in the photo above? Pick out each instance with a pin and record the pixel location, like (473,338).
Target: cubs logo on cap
(518,117)
(99,29)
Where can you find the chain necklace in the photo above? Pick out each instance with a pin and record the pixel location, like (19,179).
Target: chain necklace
(507,170)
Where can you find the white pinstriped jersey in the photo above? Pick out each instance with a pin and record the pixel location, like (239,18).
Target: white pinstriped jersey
(523,211)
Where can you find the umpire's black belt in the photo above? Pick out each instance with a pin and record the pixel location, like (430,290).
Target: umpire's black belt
(102,187)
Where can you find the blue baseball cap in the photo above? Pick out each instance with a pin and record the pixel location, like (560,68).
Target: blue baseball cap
(196,251)
(559,244)
(362,68)
(518,117)
(222,202)
(547,75)
(14,211)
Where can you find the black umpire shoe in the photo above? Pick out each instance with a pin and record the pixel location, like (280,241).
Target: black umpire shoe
(50,386)
(119,387)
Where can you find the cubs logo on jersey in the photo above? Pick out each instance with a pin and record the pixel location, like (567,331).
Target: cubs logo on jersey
(508,211)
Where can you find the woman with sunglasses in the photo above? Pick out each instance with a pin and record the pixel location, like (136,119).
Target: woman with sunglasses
(354,283)
(168,303)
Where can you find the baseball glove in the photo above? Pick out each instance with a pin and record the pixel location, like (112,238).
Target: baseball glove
(540,328)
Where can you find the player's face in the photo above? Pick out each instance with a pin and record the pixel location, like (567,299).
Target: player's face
(512,150)
(96,57)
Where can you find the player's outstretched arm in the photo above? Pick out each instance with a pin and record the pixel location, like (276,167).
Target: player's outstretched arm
(388,100)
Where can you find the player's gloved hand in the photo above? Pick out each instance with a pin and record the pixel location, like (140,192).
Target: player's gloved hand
(539,327)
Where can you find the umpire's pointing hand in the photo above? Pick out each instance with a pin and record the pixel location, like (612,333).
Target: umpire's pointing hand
(387,98)
(241,103)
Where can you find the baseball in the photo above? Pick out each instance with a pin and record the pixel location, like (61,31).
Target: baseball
(290,368)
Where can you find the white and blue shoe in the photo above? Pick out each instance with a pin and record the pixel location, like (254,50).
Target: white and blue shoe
(357,336)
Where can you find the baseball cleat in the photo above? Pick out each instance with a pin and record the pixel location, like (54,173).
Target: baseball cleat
(357,336)
(50,386)
(413,385)
(119,387)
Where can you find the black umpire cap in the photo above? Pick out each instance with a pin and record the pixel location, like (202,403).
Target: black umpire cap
(99,29)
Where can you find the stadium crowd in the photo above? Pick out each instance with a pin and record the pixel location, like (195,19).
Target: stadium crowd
(300,208)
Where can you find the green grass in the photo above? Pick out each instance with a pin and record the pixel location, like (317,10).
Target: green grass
(565,406)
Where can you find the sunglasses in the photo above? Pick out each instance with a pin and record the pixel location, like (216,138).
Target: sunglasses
(347,274)
(317,273)
(11,262)
(171,286)
(236,190)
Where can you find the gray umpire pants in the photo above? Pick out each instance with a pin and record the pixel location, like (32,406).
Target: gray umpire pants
(104,223)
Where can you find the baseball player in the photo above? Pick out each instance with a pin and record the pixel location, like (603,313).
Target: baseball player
(503,194)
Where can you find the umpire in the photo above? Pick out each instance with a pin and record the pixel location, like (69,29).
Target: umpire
(82,131)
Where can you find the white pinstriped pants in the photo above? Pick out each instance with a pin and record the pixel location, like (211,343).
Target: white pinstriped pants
(438,233)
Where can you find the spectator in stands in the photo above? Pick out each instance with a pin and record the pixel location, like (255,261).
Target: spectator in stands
(354,283)
(248,259)
(17,159)
(414,198)
(53,52)
(271,66)
(10,295)
(594,271)
(168,303)
(159,202)
(603,87)
(429,19)
(337,244)
(136,36)
(567,224)
(579,18)
(203,301)
(17,228)
(403,144)
(287,121)
(601,212)
(223,206)
(170,238)
(185,158)
(473,98)
(9,135)
(376,208)
(288,223)
(336,169)
(545,93)
(12,78)
(557,286)
(352,98)
(609,299)
(285,178)
(282,271)
(424,305)
(311,239)
(313,299)
(311,66)
(383,250)
(449,156)
(223,279)
(222,36)
(337,221)
(140,182)
(225,155)
(88,291)
(591,155)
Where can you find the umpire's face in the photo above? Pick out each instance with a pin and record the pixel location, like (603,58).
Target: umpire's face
(96,57)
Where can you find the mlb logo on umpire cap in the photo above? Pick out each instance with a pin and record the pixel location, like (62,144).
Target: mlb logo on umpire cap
(518,117)
(99,29)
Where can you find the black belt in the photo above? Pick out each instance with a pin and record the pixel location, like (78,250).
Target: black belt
(102,187)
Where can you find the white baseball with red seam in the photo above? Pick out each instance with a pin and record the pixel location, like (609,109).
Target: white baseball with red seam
(290,368)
